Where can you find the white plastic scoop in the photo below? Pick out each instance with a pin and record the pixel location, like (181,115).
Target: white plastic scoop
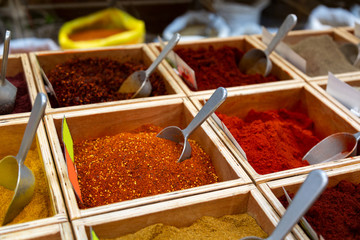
(138,82)
(258,61)
(336,146)
(14,174)
(177,135)
(310,190)
(7,89)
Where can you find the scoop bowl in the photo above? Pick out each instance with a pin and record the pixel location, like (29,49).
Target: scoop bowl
(336,146)
(175,134)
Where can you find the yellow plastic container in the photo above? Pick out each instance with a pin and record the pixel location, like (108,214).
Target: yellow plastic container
(131,30)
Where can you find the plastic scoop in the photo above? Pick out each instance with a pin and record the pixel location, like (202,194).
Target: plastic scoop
(177,135)
(310,190)
(334,147)
(138,82)
(258,61)
(351,53)
(7,89)
(13,172)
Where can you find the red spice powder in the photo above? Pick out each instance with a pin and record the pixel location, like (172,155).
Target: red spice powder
(137,164)
(95,80)
(274,140)
(22,101)
(219,67)
(336,214)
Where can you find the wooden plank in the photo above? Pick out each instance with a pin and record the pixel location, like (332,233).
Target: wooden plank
(352,80)
(116,119)
(273,190)
(57,231)
(19,63)
(136,53)
(331,119)
(244,43)
(11,135)
(298,35)
(243,199)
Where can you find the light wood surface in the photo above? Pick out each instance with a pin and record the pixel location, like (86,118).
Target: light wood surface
(59,231)
(352,80)
(183,212)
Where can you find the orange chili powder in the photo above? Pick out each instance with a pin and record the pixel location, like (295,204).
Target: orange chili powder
(274,140)
(93,34)
(137,164)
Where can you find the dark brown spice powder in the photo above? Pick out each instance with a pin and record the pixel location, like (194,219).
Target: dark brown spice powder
(94,80)
(137,164)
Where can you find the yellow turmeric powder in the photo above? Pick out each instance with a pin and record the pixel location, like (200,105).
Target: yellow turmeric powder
(39,206)
(206,228)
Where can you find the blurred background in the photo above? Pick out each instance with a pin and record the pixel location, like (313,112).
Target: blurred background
(44,18)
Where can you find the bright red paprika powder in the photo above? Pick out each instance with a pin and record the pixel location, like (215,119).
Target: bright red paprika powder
(274,140)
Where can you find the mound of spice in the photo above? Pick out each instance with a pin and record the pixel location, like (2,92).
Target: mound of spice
(336,214)
(322,55)
(39,206)
(22,101)
(273,140)
(219,67)
(230,227)
(95,80)
(137,164)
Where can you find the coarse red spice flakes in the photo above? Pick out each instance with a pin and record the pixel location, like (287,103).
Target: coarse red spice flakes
(137,164)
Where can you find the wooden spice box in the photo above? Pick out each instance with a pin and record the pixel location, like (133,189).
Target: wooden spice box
(11,134)
(327,118)
(58,231)
(135,53)
(244,43)
(108,121)
(320,85)
(19,63)
(294,37)
(243,199)
(273,189)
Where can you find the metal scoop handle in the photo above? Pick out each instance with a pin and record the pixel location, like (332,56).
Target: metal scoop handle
(171,44)
(310,190)
(5,57)
(37,113)
(216,99)
(285,27)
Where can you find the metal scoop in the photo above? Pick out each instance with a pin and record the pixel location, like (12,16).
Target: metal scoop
(177,135)
(351,53)
(138,82)
(13,172)
(336,146)
(256,60)
(310,190)
(7,89)
(303,222)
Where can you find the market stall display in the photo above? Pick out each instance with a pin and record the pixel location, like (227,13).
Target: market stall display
(130,179)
